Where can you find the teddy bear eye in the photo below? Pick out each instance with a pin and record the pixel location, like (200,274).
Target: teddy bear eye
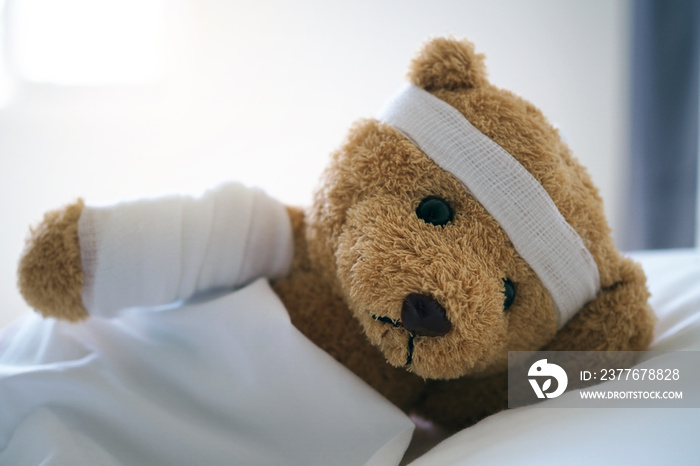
(434,210)
(509,293)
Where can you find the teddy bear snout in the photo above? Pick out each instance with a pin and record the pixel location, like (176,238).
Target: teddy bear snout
(424,316)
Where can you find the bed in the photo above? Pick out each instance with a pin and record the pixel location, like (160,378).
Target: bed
(155,387)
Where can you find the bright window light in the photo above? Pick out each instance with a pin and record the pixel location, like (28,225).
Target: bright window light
(87,42)
(5,82)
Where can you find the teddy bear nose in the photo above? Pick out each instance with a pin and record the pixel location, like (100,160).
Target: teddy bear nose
(422,315)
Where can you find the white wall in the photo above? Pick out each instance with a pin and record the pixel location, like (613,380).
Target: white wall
(263,91)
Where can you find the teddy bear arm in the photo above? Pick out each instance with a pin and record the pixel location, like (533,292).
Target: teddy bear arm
(50,275)
(84,261)
(619,319)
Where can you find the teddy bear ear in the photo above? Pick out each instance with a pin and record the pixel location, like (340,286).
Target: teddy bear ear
(447,63)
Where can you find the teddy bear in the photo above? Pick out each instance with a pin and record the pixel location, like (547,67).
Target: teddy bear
(452,229)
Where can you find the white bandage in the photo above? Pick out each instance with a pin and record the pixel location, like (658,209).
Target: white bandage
(511,195)
(158,251)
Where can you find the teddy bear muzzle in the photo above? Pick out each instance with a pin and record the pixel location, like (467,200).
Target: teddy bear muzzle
(424,316)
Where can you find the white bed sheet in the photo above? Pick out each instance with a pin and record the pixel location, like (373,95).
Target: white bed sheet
(224,381)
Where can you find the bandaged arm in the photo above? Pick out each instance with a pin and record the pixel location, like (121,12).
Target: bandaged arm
(153,252)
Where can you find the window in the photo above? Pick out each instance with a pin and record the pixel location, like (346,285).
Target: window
(86,42)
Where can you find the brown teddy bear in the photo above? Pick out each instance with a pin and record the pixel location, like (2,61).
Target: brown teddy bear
(452,230)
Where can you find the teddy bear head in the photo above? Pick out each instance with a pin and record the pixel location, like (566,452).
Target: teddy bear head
(435,280)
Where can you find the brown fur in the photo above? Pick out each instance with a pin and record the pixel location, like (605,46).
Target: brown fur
(360,250)
(322,316)
(50,275)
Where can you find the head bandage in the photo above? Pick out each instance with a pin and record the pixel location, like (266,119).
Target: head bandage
(510,194)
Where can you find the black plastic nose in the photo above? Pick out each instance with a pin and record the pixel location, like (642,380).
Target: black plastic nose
(422,315)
